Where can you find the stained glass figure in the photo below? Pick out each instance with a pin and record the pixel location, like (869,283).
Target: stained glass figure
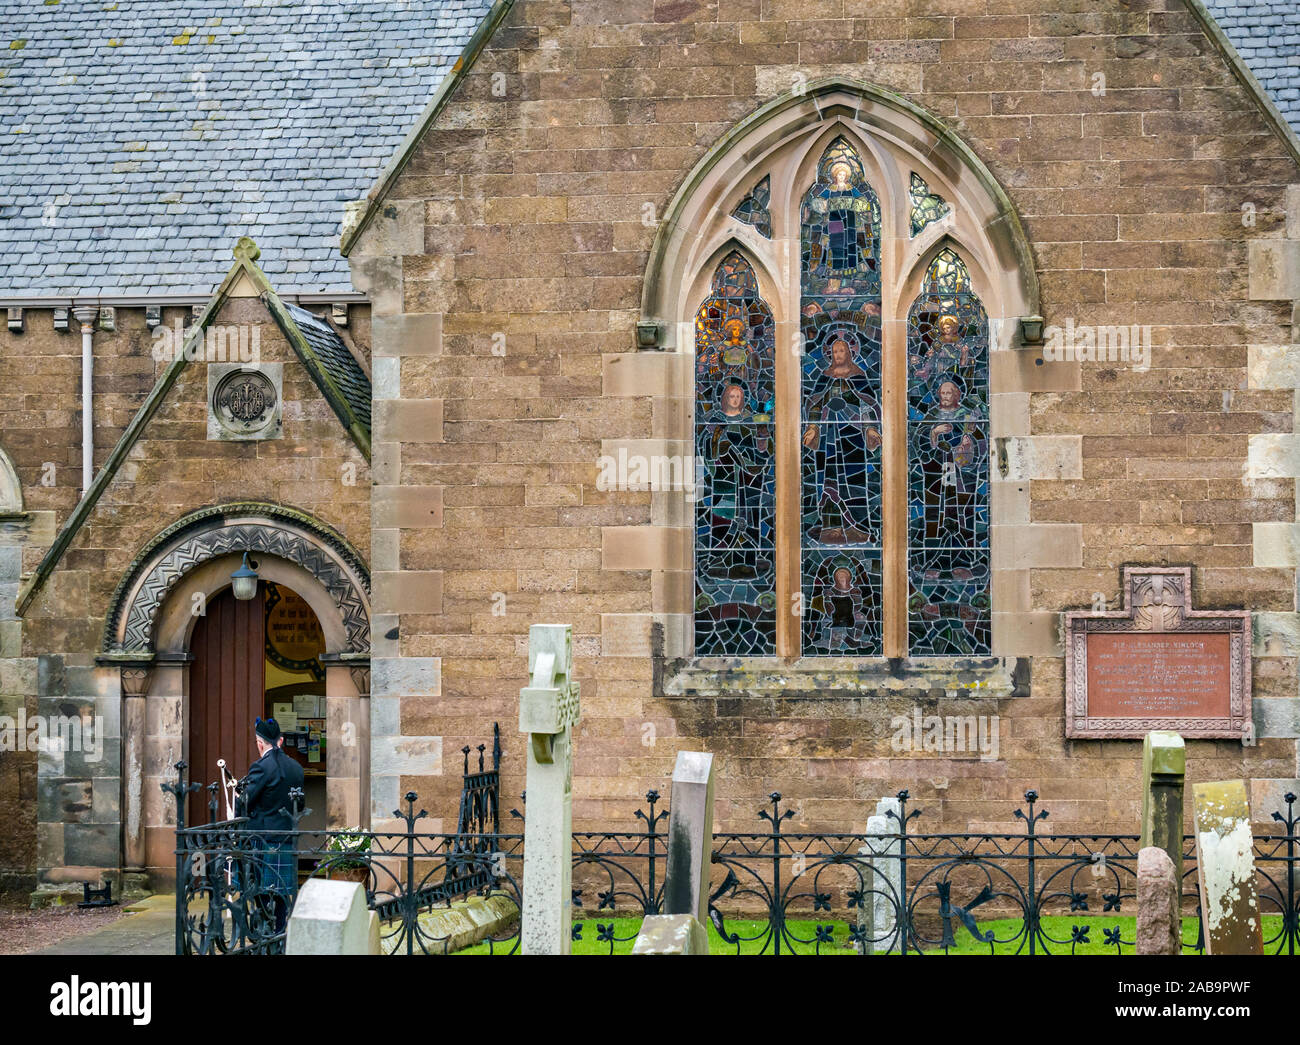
(948,483)
(840,232)
(735,380)
(841,611)
(840,416)
(926,205)
(753,209)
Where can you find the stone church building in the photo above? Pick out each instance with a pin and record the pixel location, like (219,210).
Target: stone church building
(811,358)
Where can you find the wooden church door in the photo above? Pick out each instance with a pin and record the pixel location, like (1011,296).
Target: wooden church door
(227,692)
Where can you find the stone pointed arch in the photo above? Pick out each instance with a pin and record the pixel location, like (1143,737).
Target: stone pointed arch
(780,147)
(210,533)
(917,262)
(759,259)
(699,216)
(11,489)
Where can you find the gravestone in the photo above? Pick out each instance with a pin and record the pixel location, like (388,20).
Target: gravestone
(548,710)
(1225,867)
(690,836)
(682,928)
(882,882)
(331,917)
(671,934)
(1159,897)
(1164,761)
(1157,664)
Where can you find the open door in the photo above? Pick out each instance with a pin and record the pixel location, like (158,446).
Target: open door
(227,688)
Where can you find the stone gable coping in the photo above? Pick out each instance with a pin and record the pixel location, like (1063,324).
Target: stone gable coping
(245,268)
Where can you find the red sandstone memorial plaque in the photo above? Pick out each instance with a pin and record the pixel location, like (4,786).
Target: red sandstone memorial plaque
(1157,664)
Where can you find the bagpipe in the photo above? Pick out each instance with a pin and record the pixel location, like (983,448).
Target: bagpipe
(230,789)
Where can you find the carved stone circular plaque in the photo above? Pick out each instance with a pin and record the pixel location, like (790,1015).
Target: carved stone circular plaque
(244,402)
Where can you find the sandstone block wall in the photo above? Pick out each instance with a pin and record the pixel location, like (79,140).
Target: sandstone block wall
(508,266)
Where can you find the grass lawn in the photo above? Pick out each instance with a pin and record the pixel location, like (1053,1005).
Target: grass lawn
(1056,927)
(627,927)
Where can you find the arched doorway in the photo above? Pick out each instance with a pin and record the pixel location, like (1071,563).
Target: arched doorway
(258,658)
(168,630)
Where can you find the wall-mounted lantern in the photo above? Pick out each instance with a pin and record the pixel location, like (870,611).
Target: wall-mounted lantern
(244,581)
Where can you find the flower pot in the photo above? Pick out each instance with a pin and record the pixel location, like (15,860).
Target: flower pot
(348,874)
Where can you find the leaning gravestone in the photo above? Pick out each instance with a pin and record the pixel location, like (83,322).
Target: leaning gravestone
(1225,867)
(1164,761)
(548,710)
(1159,894)
(682,928)
(332,918)
(882,883)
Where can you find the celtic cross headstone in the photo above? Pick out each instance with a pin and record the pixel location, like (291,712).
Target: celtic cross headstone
(548,711)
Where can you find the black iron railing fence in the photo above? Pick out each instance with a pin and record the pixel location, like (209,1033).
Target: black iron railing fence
(775,891)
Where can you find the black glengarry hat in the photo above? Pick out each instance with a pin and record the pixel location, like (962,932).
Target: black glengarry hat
(268,729)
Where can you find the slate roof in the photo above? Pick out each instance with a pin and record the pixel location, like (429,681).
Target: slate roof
(1266,33)
(336,361)
(137,144)
(139,138)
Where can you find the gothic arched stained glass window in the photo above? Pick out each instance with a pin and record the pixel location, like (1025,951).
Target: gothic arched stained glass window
(840,416)
(948,481)
(849,477)
(735,385)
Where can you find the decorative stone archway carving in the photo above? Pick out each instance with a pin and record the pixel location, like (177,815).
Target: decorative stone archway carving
(698,221)
(213,532)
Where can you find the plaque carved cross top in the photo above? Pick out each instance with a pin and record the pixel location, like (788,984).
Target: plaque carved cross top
(1157,664)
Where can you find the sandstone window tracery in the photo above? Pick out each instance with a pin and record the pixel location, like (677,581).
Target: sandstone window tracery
(889,530)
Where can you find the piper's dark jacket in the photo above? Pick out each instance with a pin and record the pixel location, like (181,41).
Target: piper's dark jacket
(266,793)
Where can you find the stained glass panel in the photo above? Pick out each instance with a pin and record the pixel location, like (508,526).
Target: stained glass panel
(948,502)
(841,603)
(840,416)
(926,205)
(735,380)
(753,209)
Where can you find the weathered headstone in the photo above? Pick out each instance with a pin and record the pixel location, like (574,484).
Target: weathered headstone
(690,836)
(671,934)
(1159,894)
(331,917)
(682,928)
(548,710)
(877,914)
(1225,867)
(1164,761)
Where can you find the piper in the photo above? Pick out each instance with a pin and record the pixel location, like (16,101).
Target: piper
(264,799)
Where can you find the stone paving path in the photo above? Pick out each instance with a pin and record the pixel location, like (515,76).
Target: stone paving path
(149,927)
